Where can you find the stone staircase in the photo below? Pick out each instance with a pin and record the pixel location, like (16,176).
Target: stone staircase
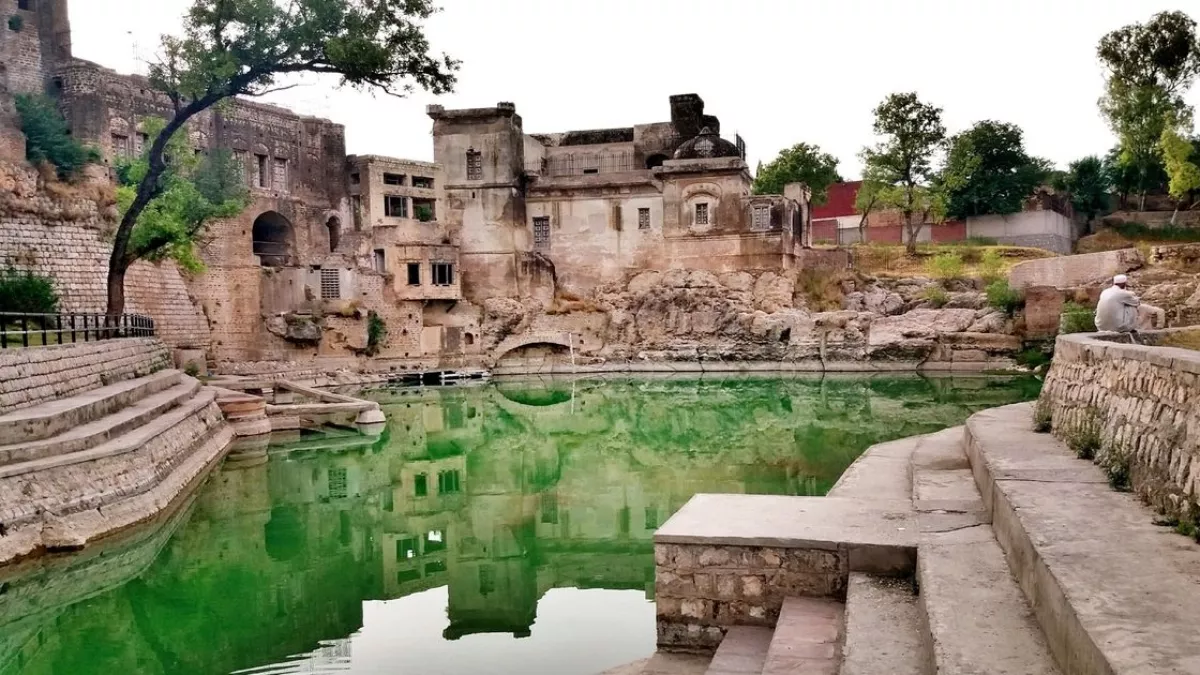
(1027,563)
(77,468)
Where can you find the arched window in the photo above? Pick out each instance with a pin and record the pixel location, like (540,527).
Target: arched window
(272,239)
(335,232)
(655,160)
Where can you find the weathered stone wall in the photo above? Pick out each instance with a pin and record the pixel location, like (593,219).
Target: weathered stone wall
(701,590)
(37,374)
(62,232)
(1144,402)
(1074,270)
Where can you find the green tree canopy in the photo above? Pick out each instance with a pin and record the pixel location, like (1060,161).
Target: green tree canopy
(244,48)
(1150,68)
(988,171)
(1179,158)
(900,165)
(1088,182)
(47,139)
(801,163)
(194,190)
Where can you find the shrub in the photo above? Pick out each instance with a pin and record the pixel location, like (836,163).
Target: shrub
(26,292)
(1004,297)
(945,266)
(1077,318)
(47,138)
(1116,466)
(424,213)
(16,22)
(191,370)
(376,333)
(1139,231)
(936,296)
(1032,358)
(1043,417)
(982,241)
(991,265)
(1084,438)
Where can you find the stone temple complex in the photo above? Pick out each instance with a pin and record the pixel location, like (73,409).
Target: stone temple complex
(329,238)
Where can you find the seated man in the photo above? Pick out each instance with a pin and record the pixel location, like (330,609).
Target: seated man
(1121,311)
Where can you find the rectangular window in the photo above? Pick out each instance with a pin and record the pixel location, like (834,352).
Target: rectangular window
(443,274)
(422,182)
(643,219)
(651,517)
(702,214)
(120,145)
(331,285)
(239,163)
(337,483)
(435,540)
(262,176)
(421,485)
(23,4)
(541,233)
(414,274)
(550,508)
(423,210)
(380,261)
(140,141)
(356,211)
(762,219)
(448,483)
(406,548)
(474,165)
(354,178)
(487,580)
(395,206)
(281,174)
(393,179)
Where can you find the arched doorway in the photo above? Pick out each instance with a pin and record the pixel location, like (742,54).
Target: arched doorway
(272,239)
(655,161)
(335,232)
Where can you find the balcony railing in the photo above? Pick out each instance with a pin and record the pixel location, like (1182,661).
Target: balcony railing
(18,329)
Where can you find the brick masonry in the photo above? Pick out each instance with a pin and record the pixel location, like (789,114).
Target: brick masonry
(66,238)
(1145,403)
(701,590)
(39,374)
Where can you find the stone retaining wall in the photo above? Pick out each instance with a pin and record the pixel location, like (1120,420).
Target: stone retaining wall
(1074,270)
(700,590)
(1144,404)
(37,374)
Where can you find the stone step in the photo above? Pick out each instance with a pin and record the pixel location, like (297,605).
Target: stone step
(665,663)
(55,417)
(807,638)
(743,651)
(119,445)
(883,628)
(1114,592)
(976,619)
(104,429)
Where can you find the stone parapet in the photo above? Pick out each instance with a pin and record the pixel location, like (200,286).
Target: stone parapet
(38,374)
(1074,270)
(1143,403)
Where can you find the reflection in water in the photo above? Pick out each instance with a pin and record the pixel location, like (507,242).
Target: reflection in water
(480,517)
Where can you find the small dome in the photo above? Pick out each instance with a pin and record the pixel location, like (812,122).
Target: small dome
(707,145)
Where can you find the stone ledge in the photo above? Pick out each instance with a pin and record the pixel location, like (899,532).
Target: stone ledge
(1113,592)
(862,529)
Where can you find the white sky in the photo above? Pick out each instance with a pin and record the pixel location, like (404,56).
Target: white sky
(776,71)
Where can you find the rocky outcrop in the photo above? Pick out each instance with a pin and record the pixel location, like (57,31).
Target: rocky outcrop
(690,315)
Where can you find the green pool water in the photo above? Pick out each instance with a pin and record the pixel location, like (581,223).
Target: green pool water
(497,529)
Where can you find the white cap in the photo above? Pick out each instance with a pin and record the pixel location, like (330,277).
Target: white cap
(1120,279)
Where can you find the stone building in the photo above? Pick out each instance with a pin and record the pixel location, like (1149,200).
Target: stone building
(599,204)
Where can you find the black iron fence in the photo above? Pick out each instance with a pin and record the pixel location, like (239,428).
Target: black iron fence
(33,330)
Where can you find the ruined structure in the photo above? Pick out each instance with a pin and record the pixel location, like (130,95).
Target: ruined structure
(598,205)
(505,224)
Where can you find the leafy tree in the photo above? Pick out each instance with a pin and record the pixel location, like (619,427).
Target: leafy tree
(193,191)
(47,138)
(1150,68)
(801,163)
(1088,182)
(243,48)
(1184,174)
(988,171)
(900,166)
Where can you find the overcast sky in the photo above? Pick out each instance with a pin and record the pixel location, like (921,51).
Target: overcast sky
(776,71)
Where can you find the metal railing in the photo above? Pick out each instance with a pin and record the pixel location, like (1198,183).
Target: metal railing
(19,329)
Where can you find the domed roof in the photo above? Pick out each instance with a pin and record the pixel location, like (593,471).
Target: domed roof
(707,145)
